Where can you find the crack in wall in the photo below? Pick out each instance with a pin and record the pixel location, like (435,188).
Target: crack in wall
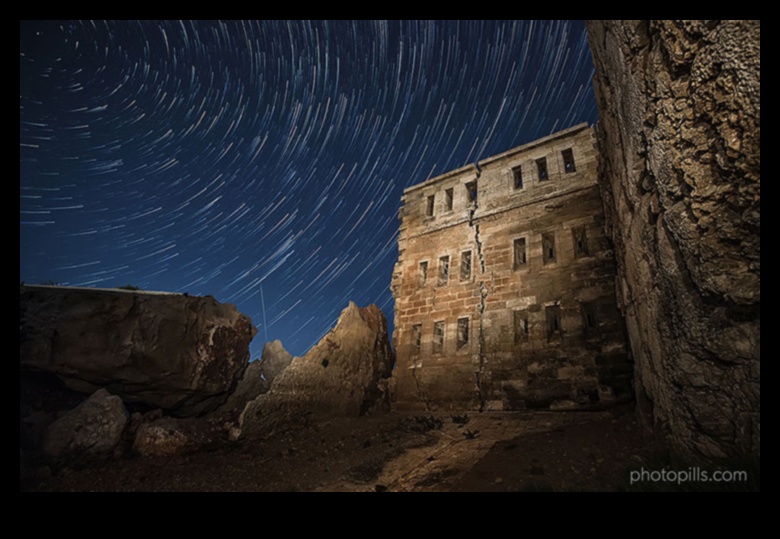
(420,392)
(483,293)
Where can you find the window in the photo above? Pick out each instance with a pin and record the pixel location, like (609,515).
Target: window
(541,166)
(417,337)
(422,277)
(517,175)
(521,326)
(444,270)
(465,265)
(448,193)
(429,207)
(463,332)
(553,313)
(548,248)
(580,242)
(471,191)
(519,253)
(589,318)
(568,160)
(438,337)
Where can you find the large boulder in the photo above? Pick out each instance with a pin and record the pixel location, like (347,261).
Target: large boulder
(88,433)
(343,375)
(181,353)
(259,376)
(680,166)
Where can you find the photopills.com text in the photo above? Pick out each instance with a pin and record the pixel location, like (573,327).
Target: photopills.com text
(684,476)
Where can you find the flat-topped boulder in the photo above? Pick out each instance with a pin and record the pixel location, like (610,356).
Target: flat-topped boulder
(177,352)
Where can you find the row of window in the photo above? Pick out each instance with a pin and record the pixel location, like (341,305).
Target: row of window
(517,176)
(438,335)
(520,322)
(520,256)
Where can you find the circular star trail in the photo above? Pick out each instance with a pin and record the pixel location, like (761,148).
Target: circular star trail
(263,162)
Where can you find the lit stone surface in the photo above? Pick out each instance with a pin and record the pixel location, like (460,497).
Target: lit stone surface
(510,293)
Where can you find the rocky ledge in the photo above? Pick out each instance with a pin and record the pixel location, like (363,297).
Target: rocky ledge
(183,354)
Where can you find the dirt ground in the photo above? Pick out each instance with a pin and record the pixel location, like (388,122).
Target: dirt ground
(429,452)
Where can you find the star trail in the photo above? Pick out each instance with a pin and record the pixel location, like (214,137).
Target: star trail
(263,162)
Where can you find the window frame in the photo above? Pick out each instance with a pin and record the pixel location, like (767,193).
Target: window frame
(463,330)
(548,241)
(541,166)
(515,265)
(422,273)
(517,176)
(570,153)
(439,332)
(470,253)
(444,270)
(430,205)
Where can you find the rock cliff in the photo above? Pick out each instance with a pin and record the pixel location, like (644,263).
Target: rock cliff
(679,137)
(180,353)
(343,375)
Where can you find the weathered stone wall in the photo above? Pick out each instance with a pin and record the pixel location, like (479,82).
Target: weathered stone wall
(180,353)
(519,330)
(679,137)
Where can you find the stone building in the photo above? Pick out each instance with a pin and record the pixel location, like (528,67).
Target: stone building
(505,285)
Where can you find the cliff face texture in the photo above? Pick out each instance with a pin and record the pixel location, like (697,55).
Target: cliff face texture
(180,353)
(343,375)
(679,137)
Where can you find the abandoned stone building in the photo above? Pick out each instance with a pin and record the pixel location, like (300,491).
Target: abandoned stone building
(505,285)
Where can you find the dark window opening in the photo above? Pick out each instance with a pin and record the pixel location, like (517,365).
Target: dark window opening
(417,336)
(580,242)
(553,313)
(517,174)
(448,194)
(465,265)
(589,318)
(471,191)
(444,270)
(429,209)
(521,326)
(463,332)
(519,253)
(541,166)
(422,278)
(548,248)
(438,337)
(325,363)
(568,160)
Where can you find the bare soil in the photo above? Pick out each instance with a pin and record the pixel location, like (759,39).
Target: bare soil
(435,452)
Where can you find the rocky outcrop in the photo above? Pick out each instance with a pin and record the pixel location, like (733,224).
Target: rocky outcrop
(343,375)
(88,433)
(180,353)
(272,362)
(679,137)
(258,376)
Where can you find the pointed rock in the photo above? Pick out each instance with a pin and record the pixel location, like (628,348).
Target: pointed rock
(343,375)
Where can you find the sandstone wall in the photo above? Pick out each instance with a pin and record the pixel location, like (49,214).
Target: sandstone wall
(484,337)
(679,136)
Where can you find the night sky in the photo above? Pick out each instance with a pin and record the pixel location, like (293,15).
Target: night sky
(263,162)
